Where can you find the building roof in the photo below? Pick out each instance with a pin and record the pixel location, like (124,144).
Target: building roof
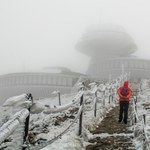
(106,40)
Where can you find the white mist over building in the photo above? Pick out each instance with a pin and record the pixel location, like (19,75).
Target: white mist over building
(40,84)
(111,49)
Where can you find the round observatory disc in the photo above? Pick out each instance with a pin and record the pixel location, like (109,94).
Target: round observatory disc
(106,40)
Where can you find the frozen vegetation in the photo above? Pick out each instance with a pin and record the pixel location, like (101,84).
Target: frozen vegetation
(142,127)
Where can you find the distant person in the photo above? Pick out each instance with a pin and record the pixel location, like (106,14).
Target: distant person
(124,93)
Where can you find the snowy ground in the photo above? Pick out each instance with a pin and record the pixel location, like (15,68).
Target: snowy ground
(70,140)
(44,127)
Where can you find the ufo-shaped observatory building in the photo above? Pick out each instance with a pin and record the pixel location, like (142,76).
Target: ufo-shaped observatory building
(111,50)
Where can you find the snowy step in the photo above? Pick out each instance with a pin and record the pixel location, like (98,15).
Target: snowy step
(111,135)
(111,143)
(104,135)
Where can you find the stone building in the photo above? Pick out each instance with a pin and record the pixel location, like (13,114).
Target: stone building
(40,84)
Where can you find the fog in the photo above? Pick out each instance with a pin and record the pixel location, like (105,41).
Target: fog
(38,33)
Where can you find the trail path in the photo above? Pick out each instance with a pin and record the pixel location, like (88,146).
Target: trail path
(111,135)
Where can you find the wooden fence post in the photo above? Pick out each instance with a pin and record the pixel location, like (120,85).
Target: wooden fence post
(112,97)
(144,118)
(135,100)
(144,144)
(135,121)
(80,119)
(109,95)
(59,98)
(26,129)
(95,107)
(103,98)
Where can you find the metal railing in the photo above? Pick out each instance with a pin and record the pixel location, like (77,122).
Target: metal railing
(146,140)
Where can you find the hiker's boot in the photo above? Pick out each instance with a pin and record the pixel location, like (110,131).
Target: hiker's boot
(125,122)
(119,121)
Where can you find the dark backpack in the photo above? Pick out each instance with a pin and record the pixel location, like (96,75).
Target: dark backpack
(124,91)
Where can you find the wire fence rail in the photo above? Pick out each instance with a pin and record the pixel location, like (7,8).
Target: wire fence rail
(107,90)
(59,135)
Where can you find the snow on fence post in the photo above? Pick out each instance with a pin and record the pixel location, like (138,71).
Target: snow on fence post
(59,99)
(80,119)
(26,129)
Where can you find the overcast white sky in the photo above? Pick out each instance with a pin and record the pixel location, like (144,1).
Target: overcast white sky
(39,33)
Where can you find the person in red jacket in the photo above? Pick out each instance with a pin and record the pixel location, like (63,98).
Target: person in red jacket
(124,93)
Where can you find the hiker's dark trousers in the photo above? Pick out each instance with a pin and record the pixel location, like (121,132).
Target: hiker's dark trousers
(124,105)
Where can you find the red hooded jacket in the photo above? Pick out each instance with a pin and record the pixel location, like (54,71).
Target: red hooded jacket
(127,97)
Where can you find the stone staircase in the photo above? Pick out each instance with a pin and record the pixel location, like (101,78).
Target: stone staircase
(111,135)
